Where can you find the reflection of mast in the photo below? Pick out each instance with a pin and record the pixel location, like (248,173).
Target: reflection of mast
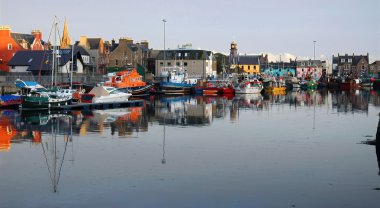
(378,145)
(163,161)
(55,166)
(315,102)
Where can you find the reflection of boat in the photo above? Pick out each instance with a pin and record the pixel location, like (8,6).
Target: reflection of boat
(103,94)
(250,100)
(249,87)
(130,80)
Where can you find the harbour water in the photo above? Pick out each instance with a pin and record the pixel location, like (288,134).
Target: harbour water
(302,149)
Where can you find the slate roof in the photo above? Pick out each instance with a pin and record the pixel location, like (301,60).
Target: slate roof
(249,60)
(183,54)
(355,59)
(39,60)
(81,50)
(94,43)
(28,37)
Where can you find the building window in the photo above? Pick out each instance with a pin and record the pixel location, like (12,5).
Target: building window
(349,60)
(249,67)
(177,64)
(169,63)
(254,67)
(342,60)
(185,63)
(161,63)
(9,46)
(116,62)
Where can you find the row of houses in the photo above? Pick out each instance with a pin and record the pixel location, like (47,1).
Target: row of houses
(20,53)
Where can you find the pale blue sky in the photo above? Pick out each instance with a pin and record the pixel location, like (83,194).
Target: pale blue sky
(340,26)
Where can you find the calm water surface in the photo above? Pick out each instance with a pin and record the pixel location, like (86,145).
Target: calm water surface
(303,149)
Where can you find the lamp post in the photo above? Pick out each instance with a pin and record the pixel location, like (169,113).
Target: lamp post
(314,48)
(164,21)
(315,103)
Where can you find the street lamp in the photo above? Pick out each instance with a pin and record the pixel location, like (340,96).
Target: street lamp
(164,21)
(314,49)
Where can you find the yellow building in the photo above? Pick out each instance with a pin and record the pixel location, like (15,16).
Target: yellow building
(249,64)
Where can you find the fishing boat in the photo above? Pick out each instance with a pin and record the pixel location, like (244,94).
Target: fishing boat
(38,100)
(273,85)
(249,87)
(175,80)
(104,94)
(129,80)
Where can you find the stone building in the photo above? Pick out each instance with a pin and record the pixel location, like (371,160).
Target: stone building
(127,53)
(353,66)
(197,63)
(98,53)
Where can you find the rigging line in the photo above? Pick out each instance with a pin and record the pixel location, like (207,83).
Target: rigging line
(47,162)
(63,158)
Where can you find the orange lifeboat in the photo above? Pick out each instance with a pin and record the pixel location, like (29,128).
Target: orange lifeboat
(128,78)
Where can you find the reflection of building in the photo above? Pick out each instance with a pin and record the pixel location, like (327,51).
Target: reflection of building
(350,101)
(7,132)
(184,111)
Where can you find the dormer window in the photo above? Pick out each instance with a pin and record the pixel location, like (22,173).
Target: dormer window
(349,60)
(342,60)
(9,46)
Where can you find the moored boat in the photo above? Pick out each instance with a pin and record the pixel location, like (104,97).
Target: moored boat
(42,100)
(129,80)
(9,101)
(104,94)
(175,81)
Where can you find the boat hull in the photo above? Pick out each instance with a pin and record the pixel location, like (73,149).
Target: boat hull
(42,103)
(10,101)
(111,98)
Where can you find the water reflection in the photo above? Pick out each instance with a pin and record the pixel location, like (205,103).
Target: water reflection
(54,145)
(179,111)
(183,111)
(376,143)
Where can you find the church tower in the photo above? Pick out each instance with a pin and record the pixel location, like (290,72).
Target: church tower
(66,41)
(234,56)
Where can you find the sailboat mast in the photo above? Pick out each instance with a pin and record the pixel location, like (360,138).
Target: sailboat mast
(72,67)
(53,53)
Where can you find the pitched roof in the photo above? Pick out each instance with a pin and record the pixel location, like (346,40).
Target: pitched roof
(354,58)
(94,42)
(19,36)
(81,50)
(249,60)
(183,54)
(39,60)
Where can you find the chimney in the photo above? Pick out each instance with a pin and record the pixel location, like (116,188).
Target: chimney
(83,41)
(145,43)
(5,31)
(37,34)
(126,40)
